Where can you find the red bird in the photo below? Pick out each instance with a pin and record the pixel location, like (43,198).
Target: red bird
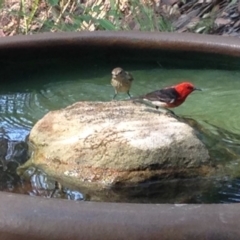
(170,97)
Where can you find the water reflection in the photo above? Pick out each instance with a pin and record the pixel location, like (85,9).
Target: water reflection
(12,154)
(14,115)
(230,192)
(44,186)
(34,93)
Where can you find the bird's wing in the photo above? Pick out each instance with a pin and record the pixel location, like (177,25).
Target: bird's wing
(168,95)
(129,76)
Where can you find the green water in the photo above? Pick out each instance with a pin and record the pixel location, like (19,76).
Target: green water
(31,92)
(27,97)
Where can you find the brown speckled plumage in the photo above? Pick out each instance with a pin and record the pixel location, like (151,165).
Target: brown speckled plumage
(121,81)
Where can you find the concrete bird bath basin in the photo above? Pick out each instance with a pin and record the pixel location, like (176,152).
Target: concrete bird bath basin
(41,218)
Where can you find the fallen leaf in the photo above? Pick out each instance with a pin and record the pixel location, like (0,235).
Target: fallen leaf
(236,24)
(169,2)
(222,21)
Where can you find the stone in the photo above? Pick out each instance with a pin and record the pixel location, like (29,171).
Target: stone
(101,145)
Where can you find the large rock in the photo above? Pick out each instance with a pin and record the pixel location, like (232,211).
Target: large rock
(97,145)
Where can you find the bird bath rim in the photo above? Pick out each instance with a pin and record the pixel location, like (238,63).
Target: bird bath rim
(224,217)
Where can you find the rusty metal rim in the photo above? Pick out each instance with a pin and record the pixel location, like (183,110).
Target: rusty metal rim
(139,40)
(40,218)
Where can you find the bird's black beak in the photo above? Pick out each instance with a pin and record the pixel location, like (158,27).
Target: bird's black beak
(197,89)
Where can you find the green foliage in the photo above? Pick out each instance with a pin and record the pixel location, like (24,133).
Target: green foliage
(105,24)
(28,15)
(204,26)
(52,2)
(1,3)
(70,15)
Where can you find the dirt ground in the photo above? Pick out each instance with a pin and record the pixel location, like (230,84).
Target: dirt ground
(220,17)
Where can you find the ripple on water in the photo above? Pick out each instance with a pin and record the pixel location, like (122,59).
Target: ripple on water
(14,117)
(217,106)
(218,103)
(230,192)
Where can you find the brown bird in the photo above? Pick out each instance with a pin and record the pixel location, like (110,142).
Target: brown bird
(121,81)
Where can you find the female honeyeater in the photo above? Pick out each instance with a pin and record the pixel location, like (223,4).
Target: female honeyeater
(121,81)
(169,97)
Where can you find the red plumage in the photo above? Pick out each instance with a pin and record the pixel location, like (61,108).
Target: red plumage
(170,97)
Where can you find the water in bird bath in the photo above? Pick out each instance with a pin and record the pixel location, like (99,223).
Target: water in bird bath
(30,94)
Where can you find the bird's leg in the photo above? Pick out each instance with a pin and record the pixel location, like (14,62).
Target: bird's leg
(115,94)
(129,94)
(170,113)
(162,110)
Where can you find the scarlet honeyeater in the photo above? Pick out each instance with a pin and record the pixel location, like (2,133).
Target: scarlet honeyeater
(169,97)
(121,81)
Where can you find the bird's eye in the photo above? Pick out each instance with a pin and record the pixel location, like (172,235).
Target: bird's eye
(190,87)
(120,73)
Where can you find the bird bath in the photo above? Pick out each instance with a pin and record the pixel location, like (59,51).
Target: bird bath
(51,71)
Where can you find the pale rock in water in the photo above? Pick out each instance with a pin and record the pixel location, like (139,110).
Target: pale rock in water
(97,145)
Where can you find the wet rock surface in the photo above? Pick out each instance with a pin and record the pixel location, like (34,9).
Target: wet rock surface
(115,145)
